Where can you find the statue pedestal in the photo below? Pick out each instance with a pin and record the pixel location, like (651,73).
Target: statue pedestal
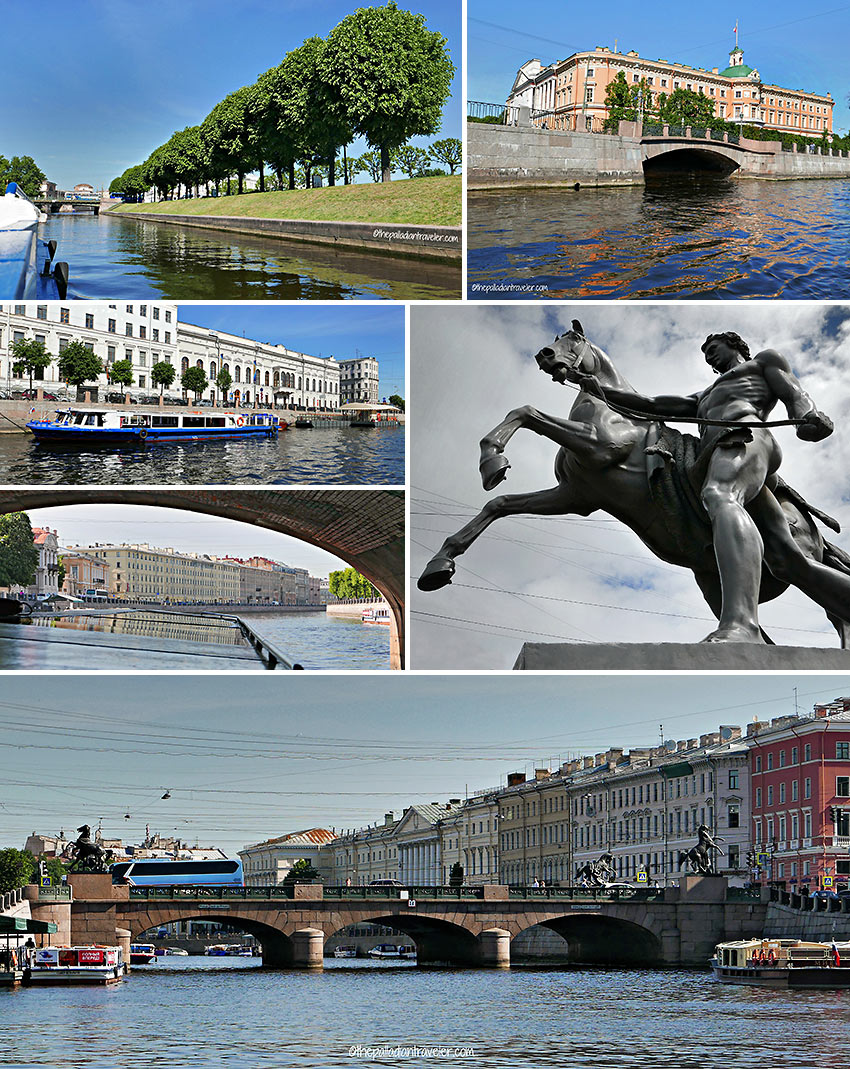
(674,656)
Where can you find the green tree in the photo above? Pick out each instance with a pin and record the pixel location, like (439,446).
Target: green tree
(411,161)
(396,400)
(55,868)
(121,373)
(456,875)
(349,583)
(26,172)
(17,868)
(60,573)
(449,150)
(162,375)
(301,870)
(371,163)
(78,364)
(223,381)
(18,555)
(227,137)
(392,76)
(29,356)
(684,107)
(194,381)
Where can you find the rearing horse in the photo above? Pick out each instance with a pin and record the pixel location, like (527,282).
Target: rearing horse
(630,467)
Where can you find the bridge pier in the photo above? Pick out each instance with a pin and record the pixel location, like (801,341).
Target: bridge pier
(308,945)
(494,948)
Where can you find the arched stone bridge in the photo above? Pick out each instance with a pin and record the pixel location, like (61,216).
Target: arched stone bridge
(470,926)
(365,528)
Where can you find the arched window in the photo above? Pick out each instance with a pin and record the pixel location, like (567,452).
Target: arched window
(184,364)
(256,377)
(276,380)
(212,370)
(237,373)
(226,367)
(267,379)
(200,364)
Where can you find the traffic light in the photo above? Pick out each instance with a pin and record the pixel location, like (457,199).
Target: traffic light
(834,814)
(42,872)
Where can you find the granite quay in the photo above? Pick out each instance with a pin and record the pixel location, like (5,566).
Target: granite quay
(443,244)
(528,154)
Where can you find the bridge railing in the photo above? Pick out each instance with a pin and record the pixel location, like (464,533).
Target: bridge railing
(590,894)
(59,892)
(498,114)
(10,899)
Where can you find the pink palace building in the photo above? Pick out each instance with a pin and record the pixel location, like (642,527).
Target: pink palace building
(800,784)
(573,90)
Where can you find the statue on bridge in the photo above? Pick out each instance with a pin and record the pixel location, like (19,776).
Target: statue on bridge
(714,504)
(85,855)
(700,858)
(597,873)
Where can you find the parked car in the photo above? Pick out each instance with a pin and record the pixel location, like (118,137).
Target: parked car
(32,395)
(824,893)
(386,883)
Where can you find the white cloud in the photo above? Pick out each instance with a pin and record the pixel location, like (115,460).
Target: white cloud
(592,579)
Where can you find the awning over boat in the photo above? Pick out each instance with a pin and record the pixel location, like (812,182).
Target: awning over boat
(26,925)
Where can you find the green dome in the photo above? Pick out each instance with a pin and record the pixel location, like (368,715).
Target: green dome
(741,71)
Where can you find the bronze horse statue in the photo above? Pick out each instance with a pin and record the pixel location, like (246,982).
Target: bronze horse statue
(699,858)
(597,873)
(634,468)
(86,855)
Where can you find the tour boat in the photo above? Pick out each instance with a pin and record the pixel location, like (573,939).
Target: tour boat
(345,950)
(385,950)
(375,616)
(142,953)
(217,950)
(109,426)
(76,965)
(26,262)
(788,963)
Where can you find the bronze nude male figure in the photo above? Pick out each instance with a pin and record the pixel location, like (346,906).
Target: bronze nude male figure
(714,504)
(738,461)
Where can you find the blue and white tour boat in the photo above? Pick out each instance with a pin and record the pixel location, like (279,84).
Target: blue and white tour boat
(91,426)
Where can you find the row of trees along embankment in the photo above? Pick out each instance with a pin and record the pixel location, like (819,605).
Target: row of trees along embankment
(380,75)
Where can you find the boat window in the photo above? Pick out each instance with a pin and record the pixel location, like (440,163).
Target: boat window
(193,421)
(91,420)
(79,418)
(215,421)
(164,421)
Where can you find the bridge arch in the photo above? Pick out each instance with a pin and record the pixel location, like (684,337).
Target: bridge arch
(365,528)
(438,942)
(602,939)
(717,158)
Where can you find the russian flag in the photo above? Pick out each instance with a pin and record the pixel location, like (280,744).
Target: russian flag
(835,954)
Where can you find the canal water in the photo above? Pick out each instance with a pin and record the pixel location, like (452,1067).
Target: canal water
(350,455)
(195,1012)
(113,258)
(680,236)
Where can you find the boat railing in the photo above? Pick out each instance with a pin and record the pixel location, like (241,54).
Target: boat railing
(270,654)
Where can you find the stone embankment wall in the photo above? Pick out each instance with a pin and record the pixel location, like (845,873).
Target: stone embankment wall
(510,156)
(820,927)
(525,155)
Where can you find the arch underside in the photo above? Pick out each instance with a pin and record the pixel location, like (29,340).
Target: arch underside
(592,940)
(437,941)
(692,158)
(365,528)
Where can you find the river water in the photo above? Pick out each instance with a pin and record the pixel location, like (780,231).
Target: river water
(194,1012)
(113,258)
(350,455)
(680,236)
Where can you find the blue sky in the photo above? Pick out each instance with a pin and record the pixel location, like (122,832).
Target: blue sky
(94,87)
(246,758)
(792,46)
(326,330)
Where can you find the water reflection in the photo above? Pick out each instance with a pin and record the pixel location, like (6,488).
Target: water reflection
(343,454)
(682,235)
(114,257)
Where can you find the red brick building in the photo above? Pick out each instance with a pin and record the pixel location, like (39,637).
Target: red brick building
(800,797)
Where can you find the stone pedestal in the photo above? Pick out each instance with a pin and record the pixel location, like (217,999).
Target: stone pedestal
(494,948)
(308,946)
(495,892)
(702,889)
(122,938)
(674,656)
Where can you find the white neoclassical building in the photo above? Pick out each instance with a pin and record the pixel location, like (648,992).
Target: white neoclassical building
(148,333)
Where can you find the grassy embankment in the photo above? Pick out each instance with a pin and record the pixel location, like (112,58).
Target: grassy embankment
(413,200)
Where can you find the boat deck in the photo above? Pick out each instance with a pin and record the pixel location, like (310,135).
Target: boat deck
(30,647)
